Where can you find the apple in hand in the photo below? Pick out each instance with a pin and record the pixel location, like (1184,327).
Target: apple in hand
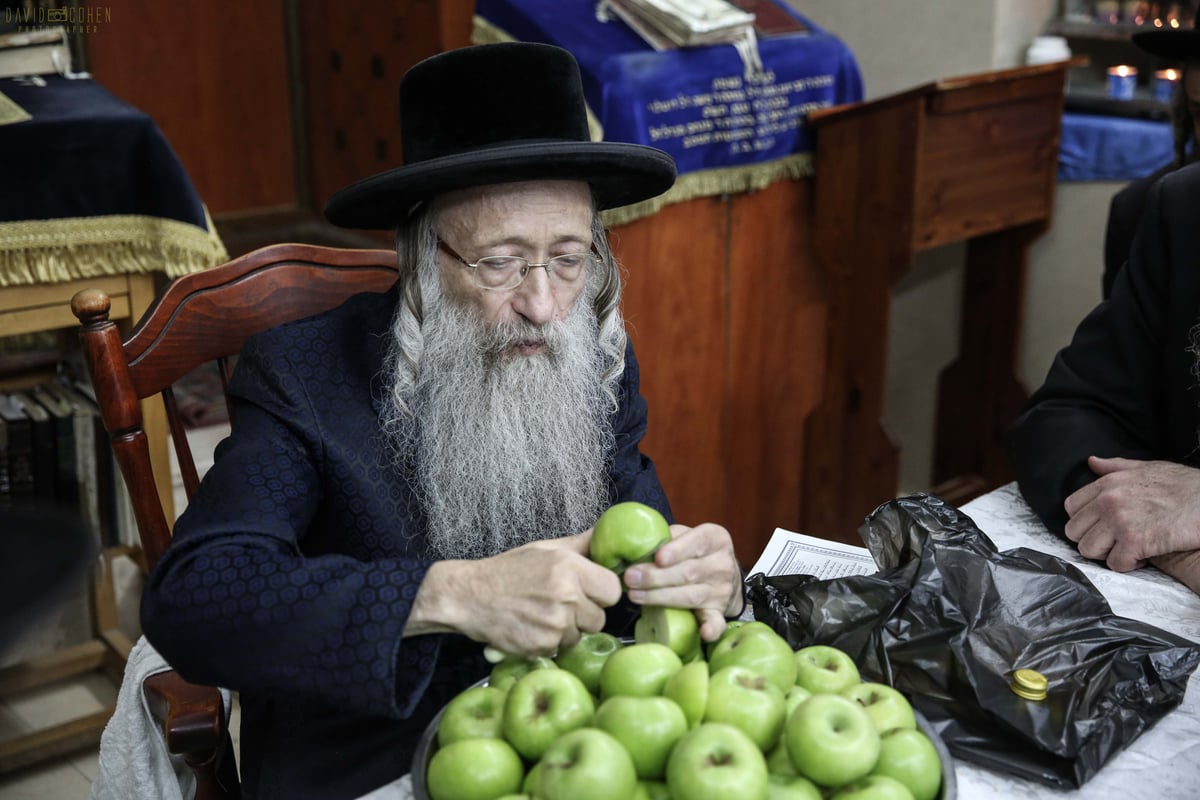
(586,657)
(831,739)
(640,670)
(648,727)
(689,689)
(541,706)
(887,707)
(506,671)
(791,787)
(628,533)
(741,697)
(677,628)
(872,787)
(821,668)
(586,764)
(757,646)
(715,761)
(474,769)
(474,713)
(908,756)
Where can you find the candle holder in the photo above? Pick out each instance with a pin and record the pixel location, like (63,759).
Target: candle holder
(1122,81)
(1165,81)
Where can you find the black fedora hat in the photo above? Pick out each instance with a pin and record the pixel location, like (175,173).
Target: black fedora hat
(497,113)
(1174,44)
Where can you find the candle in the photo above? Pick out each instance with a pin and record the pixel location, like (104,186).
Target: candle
(1165,81)
(1122,80)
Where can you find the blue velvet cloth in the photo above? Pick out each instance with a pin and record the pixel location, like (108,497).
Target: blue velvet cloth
(695,103)
(87,153)
(293,571)
(1102,148)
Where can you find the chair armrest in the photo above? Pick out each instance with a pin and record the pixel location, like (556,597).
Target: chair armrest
(192,717)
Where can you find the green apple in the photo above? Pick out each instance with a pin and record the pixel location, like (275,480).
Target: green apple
(628,533)
(714,761)
(506,671)
(791,787)
(779,762)
(521,796)
(730,626)
(831,739)
(474,769)
(640,670)
(872,787)
(741,697)
(794,697)
(541,706)
(474,713)
(586,764)
(689,689)
(908,756)
(652,790)
(822,668)
(677,628)
(648,727)
(757,646)
(585,658)
(887,707)
(530,785)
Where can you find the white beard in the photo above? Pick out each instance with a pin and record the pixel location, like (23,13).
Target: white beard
(505,449)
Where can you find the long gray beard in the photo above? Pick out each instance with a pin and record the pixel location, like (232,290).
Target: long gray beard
(506,450)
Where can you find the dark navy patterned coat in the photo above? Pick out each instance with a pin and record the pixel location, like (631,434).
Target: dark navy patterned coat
(293,571)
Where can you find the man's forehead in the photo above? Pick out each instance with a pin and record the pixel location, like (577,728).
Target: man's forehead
(564,206)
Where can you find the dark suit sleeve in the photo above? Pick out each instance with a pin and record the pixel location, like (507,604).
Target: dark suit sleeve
(1124,216)
(1110,392)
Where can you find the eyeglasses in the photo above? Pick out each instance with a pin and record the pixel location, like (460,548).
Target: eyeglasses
(498,273)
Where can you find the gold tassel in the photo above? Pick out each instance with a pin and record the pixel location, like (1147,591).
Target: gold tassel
(53,251)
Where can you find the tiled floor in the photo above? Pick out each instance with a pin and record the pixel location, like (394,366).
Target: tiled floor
(70,778)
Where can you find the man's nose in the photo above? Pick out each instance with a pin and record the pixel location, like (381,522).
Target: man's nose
(534,299)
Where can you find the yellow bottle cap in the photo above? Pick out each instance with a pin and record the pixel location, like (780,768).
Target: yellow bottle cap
(1030,684)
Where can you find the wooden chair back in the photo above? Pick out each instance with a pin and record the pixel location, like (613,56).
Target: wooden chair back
(201,318)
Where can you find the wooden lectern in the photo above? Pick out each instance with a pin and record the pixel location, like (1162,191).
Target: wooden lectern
(971,159)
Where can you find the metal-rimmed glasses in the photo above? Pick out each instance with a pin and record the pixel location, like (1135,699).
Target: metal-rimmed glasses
(500,273)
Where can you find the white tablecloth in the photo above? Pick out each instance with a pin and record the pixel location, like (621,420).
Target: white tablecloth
(1162,764)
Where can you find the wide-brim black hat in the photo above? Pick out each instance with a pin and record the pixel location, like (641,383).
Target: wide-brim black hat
(1173,44)
(497,113)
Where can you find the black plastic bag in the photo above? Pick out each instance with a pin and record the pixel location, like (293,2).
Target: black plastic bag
(948,619)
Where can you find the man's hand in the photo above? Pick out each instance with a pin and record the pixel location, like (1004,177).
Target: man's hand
(1135,511)
(530,600)
(697,569)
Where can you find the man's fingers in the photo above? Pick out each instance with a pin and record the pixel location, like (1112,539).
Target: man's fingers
(712,624)
(1107,466)
(599,584)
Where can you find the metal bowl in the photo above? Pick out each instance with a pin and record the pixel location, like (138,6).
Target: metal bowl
(427,746)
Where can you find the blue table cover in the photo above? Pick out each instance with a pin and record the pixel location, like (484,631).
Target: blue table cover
(91,187)
(698,104)
(1103,148)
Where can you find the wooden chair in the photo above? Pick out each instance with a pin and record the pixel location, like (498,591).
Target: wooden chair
(201,318)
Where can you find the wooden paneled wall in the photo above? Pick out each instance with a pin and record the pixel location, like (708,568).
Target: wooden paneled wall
(727,311)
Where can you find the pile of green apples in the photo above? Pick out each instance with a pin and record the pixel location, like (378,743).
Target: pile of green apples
(668,717)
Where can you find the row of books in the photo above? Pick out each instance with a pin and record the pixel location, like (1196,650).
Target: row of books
(54,452)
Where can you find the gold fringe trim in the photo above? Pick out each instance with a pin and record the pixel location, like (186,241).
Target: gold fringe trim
(703,183)
(58,250)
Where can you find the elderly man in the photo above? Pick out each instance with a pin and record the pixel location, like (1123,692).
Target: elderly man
(1107,451)
(414,475)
